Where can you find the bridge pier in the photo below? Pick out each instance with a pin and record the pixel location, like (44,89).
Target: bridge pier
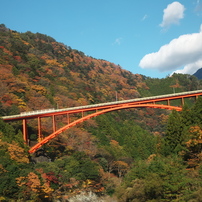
(40,136)
(25,134)
(54,123)
(182,101)
(68,119)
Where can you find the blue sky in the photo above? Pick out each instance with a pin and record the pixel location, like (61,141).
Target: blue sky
(149,37)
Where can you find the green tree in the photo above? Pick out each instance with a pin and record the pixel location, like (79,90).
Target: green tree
(162,179)
(197,111)
(175,134)
(80,166)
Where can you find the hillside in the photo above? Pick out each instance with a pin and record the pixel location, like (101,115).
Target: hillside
(116,154)
(36,67)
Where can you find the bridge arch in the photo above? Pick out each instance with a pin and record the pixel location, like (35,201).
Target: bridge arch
(126,106)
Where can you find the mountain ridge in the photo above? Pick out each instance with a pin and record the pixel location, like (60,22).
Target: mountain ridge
(198,74)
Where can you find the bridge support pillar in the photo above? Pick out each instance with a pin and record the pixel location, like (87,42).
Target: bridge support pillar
(182,101)
(40,136)
(54,123)
(68,119)
(168,102)
(25,134)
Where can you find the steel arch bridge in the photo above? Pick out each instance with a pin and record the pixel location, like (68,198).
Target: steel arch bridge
(161,102)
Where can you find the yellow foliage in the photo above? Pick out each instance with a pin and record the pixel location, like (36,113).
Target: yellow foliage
(17,153)
(53,62)
(195,136)
(2,169)
(20,181)
(82,101)
(34,182)
(63,90)
(75,74)
(21,102)
(121,164)
(25,42)
(63,79)
(16,35)
(40,89)
(47,189)
(151,158)
(90,97)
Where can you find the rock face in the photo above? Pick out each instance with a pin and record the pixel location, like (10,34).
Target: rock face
(40,156)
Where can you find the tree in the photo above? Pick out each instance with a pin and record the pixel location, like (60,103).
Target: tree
(175,134)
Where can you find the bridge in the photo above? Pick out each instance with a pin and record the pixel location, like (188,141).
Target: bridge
(89,111)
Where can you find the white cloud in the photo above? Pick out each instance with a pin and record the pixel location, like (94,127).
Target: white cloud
(117,41)
(172,14)
(198,8)
(185,51)
(190,68)
(145,17)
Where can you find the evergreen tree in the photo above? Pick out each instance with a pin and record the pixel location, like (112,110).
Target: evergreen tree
(197,112)
(175,134)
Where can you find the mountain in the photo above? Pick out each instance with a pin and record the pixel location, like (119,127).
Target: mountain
(133,154)
(37,73)
(198,73)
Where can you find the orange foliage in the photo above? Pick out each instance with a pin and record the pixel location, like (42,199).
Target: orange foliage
(176,85)
(114,143)
(121,167)
(33,182)
(7,52)
(18,58)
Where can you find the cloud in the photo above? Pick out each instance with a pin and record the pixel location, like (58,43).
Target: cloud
(198,8)
(190,68)
(117,41)
(145,17)
(185,51)
(172,14)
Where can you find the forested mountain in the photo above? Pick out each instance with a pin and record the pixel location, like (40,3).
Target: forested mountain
(128,155)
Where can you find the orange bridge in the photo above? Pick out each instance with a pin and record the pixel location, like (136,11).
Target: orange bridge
(162,102)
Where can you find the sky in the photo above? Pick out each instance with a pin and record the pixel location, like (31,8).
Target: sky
(150,37)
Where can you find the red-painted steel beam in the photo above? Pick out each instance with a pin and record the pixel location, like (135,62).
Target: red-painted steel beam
(97,113)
